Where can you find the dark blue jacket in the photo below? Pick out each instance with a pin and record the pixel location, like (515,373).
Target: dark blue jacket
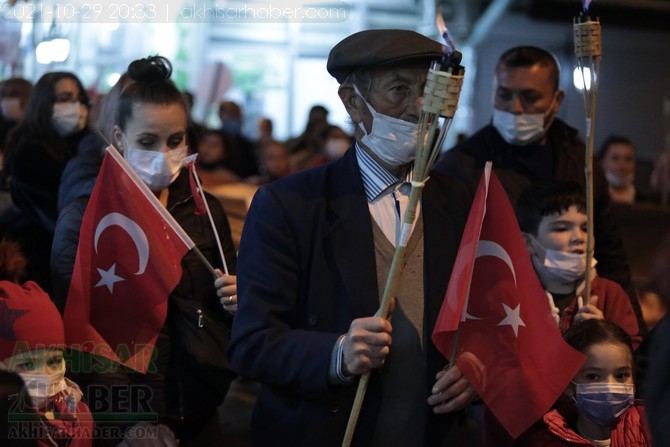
(306,269)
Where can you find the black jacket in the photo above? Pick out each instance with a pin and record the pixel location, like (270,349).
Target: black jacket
(306,270)
(178,391)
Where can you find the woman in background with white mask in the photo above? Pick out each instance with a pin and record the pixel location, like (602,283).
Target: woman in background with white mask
(617,158)
(36,153)
(184,391)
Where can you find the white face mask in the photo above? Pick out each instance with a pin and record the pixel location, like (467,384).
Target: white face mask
(569,267)
(157,169)
(521,129)
(563,266)
(619,182)
(392,140)
(10,108)
(43,385)
(69,117)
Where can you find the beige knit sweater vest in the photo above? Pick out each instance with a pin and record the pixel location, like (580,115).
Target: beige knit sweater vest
(401,420)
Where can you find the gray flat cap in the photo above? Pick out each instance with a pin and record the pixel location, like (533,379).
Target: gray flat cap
(380,47)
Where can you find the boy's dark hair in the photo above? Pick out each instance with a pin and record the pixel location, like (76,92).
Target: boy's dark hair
(587,333)
(544,199)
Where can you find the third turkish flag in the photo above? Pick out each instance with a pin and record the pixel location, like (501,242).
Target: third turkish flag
(509,349)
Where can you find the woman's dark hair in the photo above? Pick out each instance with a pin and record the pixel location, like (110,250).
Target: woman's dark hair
(587,333)
(36,122)
(150,84)
(544,199)
(104,121)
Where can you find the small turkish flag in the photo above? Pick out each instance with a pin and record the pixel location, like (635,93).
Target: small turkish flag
(510,349)
(128,262)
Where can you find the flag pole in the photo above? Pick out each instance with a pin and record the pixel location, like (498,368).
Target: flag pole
(454,350)
(488,168)
(186,239)
(209,215)
(440,98)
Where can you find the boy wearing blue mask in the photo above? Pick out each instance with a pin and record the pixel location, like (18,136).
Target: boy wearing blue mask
(599,406)
(552,218)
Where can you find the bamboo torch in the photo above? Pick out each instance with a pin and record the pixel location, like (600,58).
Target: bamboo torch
(588,50)
(440,98)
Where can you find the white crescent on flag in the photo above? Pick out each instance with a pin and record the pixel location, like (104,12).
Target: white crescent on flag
(489,248)
(134,231)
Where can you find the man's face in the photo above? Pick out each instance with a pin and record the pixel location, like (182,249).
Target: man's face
(526,90)
(396,92)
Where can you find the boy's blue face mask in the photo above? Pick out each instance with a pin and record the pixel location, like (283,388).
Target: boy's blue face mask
(603,403)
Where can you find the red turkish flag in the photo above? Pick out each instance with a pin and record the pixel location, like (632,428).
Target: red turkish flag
(510,348)
(128,262)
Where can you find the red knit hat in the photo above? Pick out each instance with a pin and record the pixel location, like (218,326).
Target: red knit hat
(28,319)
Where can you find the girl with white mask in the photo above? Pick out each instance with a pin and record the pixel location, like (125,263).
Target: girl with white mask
(552,218)
(32,346)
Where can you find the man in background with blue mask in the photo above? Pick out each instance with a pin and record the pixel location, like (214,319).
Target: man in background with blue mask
(528,143)
(313,260)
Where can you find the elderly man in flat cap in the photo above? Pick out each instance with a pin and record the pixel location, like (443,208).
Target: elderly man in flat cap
(313,260)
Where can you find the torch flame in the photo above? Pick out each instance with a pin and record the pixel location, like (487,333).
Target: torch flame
(586,4)
(442,27)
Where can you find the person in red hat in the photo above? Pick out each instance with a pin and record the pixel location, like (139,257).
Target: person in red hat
(32,341)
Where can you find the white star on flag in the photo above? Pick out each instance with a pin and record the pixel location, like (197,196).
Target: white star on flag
(513,318)
(108,278)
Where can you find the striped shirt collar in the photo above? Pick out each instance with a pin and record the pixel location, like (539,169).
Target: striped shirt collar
(376,178)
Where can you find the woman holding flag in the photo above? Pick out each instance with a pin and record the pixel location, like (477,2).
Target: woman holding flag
(187,376)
